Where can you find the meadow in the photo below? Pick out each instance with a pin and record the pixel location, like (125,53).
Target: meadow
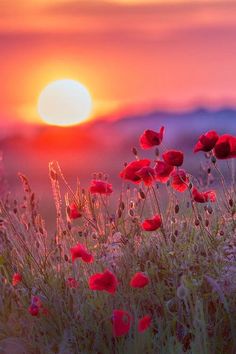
(151,272)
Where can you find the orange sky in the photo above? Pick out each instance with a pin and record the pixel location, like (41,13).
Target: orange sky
(129,53)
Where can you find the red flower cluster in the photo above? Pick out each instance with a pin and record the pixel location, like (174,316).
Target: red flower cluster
(122,320)
(16,279)
(100,187)
(105,281)
(80,251)
(152,224)
(139,280)
(224,146)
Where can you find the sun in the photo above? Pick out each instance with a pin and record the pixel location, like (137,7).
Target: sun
(64,103)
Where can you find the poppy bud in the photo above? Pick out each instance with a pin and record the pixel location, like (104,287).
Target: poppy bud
(222,233)
(176,232)
(208,171)
(197,222)
(134,151)
(213,159)
(157,152)
(206,222)
(231,203)
(141,194)
(176,209)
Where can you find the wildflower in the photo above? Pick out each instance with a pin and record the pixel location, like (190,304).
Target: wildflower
(173,157)
(139,280)
(163,171)
(33,310)
(144,323)
(100,187)
(73,211)
(225,147)
(16,279)
(147,174)
(72,283)
(180,180)
(203,197)
(206,142)
(103,281)
(151,138)
(152,224)
(121,322)
(130,171)
(79,251)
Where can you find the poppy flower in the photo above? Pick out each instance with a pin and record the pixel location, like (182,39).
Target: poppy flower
(225,147)
(103,281)
(180,180)
(33,310)
(79,251)
(16,279)
(139,280)
(121,322)
(207,141)
(100,187)
(163,171)
(144,323)
(130,171)
(152,224)
(151,138)
(73,211)
(173,157)
(147,174)
(72,283)
(203,197)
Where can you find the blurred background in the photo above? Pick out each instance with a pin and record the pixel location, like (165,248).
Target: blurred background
(146,63)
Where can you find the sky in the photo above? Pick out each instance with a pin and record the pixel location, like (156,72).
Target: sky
(132,55)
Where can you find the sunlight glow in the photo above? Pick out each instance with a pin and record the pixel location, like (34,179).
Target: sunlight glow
(64,103)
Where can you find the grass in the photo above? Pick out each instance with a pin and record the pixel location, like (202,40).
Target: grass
(190,262)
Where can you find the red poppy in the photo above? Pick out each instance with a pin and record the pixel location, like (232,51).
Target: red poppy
(103,281)
(79,251)
(152,224)
(163,171)
(207,141)
(203,197)
(16,279)
(173,157)
(147,174)
(144,323)
(74,211)
(180,180)
(225,147)
(151,138)
(100,187)
(139,280)
(121,322)
(130,171)
(33,310)
(72,283)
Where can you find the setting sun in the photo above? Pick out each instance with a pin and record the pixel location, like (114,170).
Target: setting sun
(64,103)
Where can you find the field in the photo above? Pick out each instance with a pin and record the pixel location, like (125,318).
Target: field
(151,272)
